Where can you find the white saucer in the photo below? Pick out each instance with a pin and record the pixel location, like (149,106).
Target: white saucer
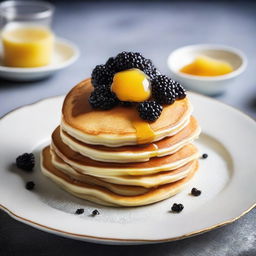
(227,179)
(65,54)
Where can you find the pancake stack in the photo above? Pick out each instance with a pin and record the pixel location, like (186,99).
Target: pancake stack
(110,158)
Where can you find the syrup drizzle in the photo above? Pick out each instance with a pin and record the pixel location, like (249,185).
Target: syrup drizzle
(144,132)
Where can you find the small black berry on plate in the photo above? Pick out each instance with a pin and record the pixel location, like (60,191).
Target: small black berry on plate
(149,110)
(30,185)
(204,156)
(163,90)
(95,212)
(177,207)
(196,192)
(102,98)
(79,211)
(101,75)
(26,161)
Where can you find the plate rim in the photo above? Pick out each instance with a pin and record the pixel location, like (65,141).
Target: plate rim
(109,240)
(114,241)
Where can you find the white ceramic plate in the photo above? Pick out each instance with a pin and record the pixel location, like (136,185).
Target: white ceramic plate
(227,179)
(65,54)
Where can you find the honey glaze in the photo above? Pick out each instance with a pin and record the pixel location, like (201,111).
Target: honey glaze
(144,132)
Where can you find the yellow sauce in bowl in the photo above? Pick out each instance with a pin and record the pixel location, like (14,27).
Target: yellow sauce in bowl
(206,66)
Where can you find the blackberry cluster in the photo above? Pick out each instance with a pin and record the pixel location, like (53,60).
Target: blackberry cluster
(103,74)
(128,60)
(180,92)
(102,98)
(25,161)
(164,90)
(149,110)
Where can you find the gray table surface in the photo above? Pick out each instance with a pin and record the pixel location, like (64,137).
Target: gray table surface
(154,28)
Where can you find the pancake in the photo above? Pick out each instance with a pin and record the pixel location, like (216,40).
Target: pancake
(146,181)
(95,168)
(115,127)
(47,159)
(141,153)
(101,195)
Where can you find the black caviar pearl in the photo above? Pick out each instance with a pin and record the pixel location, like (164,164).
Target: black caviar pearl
(30,185)
(177,207)
(95,212)
(196,192)
(79,211)
(204,156)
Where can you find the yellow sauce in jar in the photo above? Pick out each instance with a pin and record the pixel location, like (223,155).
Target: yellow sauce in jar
(27,46)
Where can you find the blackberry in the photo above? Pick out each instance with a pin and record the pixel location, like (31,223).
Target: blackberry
(110,64)
(152,73)
(79,211)
(149,110)
(177,207)
(196,192)
(25,161)
(95,212)
(163,90)
(102,98)
(30,185)
(128,60)
(180,92)
(101,75)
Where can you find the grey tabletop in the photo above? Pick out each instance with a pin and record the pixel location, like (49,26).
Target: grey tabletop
(155,28)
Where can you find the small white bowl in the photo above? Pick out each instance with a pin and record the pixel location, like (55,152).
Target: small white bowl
(209,85)
(65,53)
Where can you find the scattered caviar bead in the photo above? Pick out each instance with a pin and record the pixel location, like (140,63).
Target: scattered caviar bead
(95,212)
(195,192)
(79,211)
(101,75)
(102,98)
(26,161)
(163,90)
(30,185)
(204,156)
(149,110)
(177,207)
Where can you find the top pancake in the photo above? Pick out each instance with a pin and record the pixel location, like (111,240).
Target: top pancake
(115,127)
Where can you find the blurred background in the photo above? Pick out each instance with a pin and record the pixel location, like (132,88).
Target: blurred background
(103,28)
